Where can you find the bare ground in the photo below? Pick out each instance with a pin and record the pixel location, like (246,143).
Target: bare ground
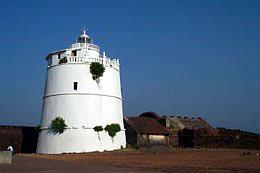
(130,160)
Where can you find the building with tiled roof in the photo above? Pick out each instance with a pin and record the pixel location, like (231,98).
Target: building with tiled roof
(180,123)
(177,125)
(145,131)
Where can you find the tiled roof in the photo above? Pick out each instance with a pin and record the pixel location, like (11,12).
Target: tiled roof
(144,125)
(189,123)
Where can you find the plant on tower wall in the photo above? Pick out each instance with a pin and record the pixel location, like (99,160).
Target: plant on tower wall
(63,60)
(97,70)
(112,129)
(58,125)
(98,129)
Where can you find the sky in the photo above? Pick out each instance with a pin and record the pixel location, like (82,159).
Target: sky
(189,58)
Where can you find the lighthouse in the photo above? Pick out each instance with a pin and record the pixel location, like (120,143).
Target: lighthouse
(84,102)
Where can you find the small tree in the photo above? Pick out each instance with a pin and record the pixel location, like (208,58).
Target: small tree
(112,129)
(63,60)
(97,70)
(98,129)
(58,125)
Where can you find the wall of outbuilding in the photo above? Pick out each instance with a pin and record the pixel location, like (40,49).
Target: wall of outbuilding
(131,136)
(226,138)
(219,138)
(22,139)
(146,140)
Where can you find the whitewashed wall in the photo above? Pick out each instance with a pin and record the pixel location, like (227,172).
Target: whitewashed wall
(93,103)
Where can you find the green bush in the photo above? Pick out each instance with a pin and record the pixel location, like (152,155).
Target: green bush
(112,129)
(98,128)
(58,125)
(97,70)
(63,60)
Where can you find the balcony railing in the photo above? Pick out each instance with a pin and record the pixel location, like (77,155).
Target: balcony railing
(75,59)
(105,61)
(78,45)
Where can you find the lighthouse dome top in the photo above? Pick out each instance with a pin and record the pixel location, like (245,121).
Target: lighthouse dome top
(84,34)
(84,38)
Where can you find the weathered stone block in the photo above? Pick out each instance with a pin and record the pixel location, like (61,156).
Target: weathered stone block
(5,157)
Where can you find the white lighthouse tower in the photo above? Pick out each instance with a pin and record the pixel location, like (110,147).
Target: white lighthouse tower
(73,94)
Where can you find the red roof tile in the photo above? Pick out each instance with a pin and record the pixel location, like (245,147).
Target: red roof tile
(144,125)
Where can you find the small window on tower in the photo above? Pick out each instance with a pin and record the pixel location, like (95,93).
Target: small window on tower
(74,53)
(58,56)
(75,85)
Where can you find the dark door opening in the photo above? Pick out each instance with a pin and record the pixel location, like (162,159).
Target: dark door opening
(186,138)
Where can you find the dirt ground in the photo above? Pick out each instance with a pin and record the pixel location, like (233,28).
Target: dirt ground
(130,160)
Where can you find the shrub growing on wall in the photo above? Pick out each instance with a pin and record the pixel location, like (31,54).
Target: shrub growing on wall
(98,129)
(112,129)
(97,70)
(63,60)
(58,125)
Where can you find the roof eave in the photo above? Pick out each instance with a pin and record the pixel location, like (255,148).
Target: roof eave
(54,52)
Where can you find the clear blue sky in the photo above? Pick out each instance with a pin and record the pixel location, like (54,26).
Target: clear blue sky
(177,57)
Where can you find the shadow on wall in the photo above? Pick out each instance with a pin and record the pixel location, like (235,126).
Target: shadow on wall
(29,140)
(23,139)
